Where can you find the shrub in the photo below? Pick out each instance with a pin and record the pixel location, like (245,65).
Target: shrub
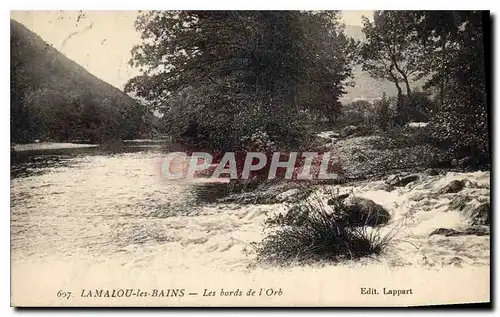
(314,235)
(355,113)
(415,107)
(258,142)
(383,116)
(462,130)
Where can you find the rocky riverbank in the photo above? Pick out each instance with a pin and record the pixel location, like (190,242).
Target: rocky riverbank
(435,216)
(433,221)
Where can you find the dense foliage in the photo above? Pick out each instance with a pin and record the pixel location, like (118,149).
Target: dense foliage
(225,75)
(456,61)
(447,49)
(224,79)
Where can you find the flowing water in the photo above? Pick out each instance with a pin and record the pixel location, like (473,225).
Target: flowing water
(80,209)
(112,207)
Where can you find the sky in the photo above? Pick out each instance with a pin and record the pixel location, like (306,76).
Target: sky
(101,41)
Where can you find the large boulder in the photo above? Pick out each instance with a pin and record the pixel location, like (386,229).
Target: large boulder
(357,211)
(384,186)
(453,187)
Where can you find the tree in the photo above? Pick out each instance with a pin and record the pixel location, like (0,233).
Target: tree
(455,54)
(233,71)
(329,69)
(390,51)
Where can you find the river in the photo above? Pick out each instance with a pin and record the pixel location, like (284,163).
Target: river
(88,204)
(81,214)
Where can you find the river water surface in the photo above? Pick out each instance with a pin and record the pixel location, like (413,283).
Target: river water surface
(83,215)
(101,207)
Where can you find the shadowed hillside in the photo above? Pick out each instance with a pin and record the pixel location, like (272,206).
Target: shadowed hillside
(54,98)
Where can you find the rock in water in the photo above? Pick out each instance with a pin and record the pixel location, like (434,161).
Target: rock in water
(431,172)
(392,180)
(459,202)
(456,261)
(476,230)
(388,188)
(383,186)
(408,179)
(453,187)
(444,231)
(481,214)
(363,212)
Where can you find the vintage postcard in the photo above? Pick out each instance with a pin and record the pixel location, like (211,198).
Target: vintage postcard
(250,158)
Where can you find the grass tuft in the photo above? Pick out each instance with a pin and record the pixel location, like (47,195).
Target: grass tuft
(319,236)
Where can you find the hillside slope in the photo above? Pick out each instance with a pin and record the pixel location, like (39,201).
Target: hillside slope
(52,97)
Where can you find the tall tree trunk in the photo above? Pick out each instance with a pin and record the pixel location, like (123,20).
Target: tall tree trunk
(405,78)
(396,82)
(400,90)
(407,83)
(400,94)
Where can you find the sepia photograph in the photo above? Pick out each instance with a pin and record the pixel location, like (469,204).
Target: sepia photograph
(249,158)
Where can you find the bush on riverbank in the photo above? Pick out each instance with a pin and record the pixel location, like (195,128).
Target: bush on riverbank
(314,234)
